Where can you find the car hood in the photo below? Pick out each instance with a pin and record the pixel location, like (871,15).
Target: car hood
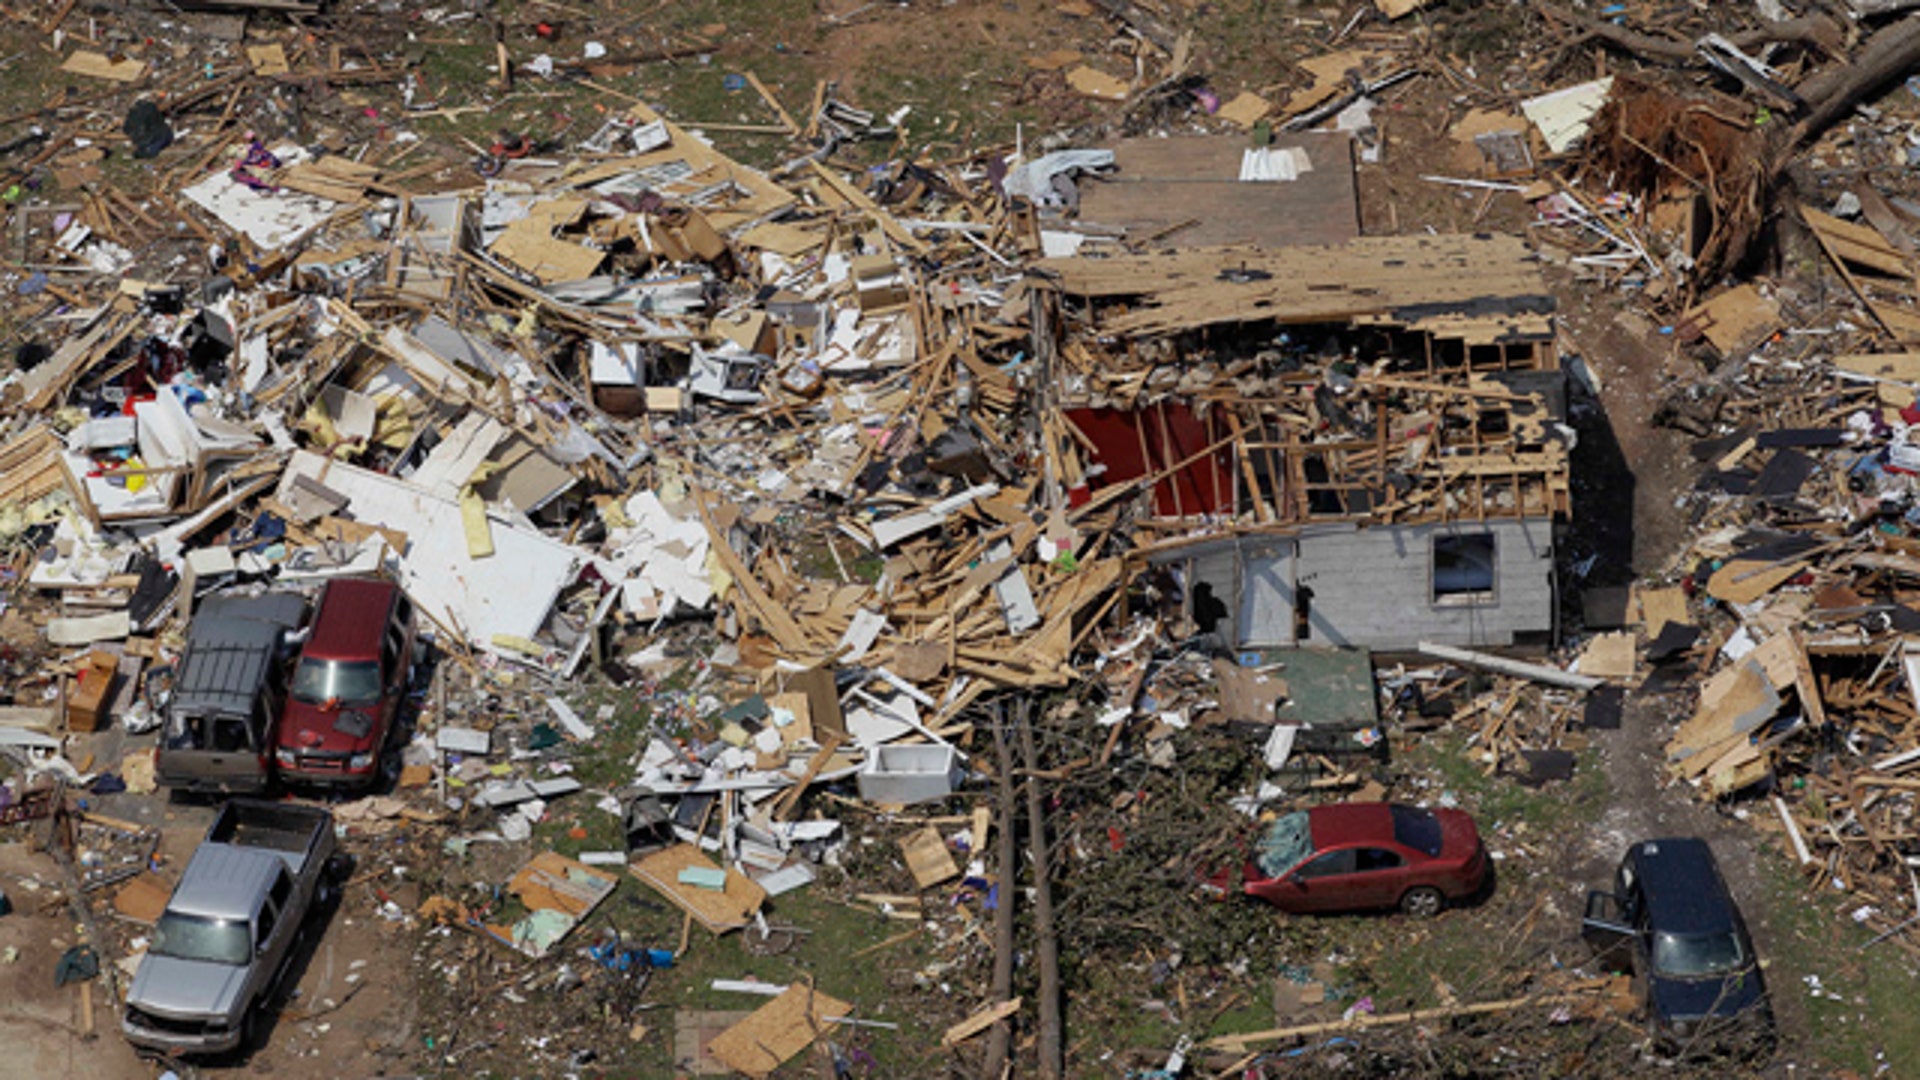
(1695,999)
(310,728)
(189,989)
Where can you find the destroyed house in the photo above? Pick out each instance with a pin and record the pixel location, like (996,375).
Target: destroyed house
(1348,445)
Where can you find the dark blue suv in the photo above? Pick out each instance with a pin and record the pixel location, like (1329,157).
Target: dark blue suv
(1671,921)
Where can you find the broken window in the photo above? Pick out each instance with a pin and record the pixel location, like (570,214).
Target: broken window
(1463,568)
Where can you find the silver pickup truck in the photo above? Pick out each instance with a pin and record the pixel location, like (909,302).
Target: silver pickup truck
(229,930)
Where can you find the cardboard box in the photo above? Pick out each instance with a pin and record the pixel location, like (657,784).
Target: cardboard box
(92,690)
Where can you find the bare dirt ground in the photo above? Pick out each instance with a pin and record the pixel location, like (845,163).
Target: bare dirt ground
(346,992)
(1631,518)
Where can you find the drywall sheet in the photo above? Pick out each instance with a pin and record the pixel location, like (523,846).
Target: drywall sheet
(504,595)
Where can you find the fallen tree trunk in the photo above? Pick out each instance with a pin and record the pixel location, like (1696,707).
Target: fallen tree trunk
(1811,31)
(1239,1043)
(1144,22)
(1052,1038)
(1833,91)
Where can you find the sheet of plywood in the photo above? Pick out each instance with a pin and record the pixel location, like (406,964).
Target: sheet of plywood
(1736,319)
(927,856)
(1608,656)
(782,239)
(1329,72)
(551,881)
(1658,607)
(719,912)
(529,245)
(268,59)
(1898,367)
(694,1031)
(1095,83)
(1778,656)
(143,898)
(100,66)
(1734,702)
(1742,581)
(778,1030)
(1246,109)
(1054,60)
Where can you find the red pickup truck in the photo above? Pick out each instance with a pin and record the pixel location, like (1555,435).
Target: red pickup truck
(343,704)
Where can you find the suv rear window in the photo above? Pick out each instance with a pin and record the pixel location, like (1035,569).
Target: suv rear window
(317,682)
(1417,829)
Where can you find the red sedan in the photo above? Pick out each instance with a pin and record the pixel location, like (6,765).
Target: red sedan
(1353,856)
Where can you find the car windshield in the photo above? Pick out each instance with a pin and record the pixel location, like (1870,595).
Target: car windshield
(194,937)
(1688,956)
(1417,829)
(1285,843)
(318,682)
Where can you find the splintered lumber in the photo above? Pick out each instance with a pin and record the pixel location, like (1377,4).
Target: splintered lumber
(1519,669)
(1372,278)
(980,1021)
(771,614)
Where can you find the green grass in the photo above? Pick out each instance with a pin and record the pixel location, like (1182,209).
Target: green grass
(1498,800)
(1871,1026)
(826,955)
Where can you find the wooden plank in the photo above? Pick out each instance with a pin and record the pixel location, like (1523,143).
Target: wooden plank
(772,102)
(771,615)
(1861,245)
(979,1022)
(788,803)
(858,199)
(100,66)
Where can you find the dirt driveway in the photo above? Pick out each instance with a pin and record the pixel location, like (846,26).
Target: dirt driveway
(348,1013)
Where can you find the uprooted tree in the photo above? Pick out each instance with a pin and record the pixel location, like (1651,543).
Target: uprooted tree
(1647,138)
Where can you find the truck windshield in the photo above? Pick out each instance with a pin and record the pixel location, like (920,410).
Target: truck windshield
(195,937)
(320,681)
(1687,956)
(1285,843)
